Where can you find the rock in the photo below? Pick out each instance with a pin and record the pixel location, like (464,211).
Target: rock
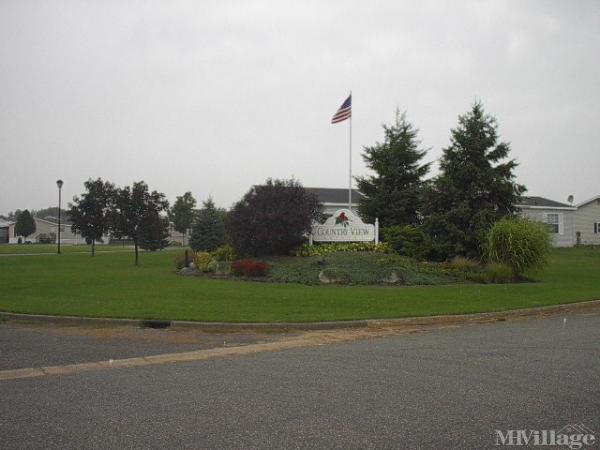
(192,265)
(392,278)
(323,278)
(330,276)
(187,271)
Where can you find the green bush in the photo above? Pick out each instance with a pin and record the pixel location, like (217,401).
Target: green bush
(224,253)
(496,272)
(203,261)
(406,240)
(519,243)
(328,249)
(222,267)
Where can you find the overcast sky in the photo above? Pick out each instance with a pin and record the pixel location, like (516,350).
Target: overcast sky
(213,97)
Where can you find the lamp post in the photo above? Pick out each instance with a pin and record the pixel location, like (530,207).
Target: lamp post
(59,183)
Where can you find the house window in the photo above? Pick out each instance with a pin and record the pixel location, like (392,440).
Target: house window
(596,227)
(553,223)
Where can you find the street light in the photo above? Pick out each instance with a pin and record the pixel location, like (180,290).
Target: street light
(59,183)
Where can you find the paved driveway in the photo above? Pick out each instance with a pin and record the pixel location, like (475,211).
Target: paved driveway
(444,388)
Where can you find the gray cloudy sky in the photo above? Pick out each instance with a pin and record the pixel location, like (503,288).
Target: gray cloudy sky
(215,96)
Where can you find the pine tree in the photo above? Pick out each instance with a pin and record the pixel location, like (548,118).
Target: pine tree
(182,213)
(393,194)
(474,189)
(208,231)
(25,225)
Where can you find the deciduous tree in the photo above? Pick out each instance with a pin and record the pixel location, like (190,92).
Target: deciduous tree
(25,225)
(133,214)
(272,219)
(89,213)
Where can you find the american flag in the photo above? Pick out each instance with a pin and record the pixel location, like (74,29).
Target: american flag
(345,111)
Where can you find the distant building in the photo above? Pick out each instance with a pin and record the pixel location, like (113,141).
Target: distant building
(560,218)
(332,199)
(46,231)
(4,231)
(587,222)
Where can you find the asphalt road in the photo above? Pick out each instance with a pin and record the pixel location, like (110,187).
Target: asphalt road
(24,346)
(441,389)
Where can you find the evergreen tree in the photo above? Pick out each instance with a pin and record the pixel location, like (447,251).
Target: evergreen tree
(474,189)
(134,214)
(182,213)
(208,231)
(89,214)
(25,225)
(154,235)
(393,194)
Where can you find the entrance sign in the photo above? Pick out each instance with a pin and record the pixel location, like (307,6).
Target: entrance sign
(345,226)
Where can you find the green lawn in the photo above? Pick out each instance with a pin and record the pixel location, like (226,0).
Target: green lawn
(11,249)
(110,286)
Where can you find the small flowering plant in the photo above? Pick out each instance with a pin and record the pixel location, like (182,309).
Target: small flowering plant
(342,219)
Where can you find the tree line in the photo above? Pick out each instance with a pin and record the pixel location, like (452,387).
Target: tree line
(143,216)
(435,218)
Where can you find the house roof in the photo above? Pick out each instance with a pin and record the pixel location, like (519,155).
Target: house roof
(542,202)
(54,220)
(589,200)
(5,223)
(334,195)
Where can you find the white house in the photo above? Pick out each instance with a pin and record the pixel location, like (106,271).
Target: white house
(587,222)
(332,199)
(4,231)
(560,217)
(46,230)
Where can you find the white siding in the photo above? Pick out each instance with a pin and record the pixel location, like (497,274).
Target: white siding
(566,223)
(585,217)
(330,208)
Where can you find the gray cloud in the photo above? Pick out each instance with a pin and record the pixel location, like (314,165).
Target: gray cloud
(215,96)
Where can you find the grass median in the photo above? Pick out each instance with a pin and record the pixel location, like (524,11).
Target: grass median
(28,249)
(109,285)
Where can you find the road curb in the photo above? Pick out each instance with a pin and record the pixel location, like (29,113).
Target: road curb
(282,326)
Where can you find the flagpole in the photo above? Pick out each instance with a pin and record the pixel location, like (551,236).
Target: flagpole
(350,160)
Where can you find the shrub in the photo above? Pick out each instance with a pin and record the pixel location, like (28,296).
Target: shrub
(272,219)
(43,238)
(496,272)
(222,267)
(249,268)
(224,253)
(203,261)
(406,240)
(520,243)
(327,249)
(463,264)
